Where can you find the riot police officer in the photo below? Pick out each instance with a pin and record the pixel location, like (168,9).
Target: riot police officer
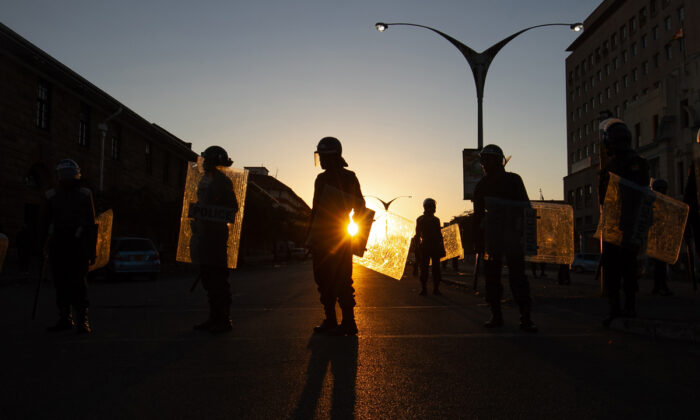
(336,193)
(619,263)
(209,240)
(69,225)
(430,243)
(498,183)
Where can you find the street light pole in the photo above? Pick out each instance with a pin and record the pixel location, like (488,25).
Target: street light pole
(479,62)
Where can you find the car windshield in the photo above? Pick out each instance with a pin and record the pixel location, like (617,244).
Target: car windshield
(134,245)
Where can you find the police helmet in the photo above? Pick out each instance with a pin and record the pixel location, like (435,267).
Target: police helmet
(429,203)
(492,150)
(615,134)
(660,185)
(329,146)
(217,155)
(68,169)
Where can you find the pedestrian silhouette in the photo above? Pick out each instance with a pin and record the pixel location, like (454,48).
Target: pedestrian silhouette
(70,237)
(619,262)
(210,237)
(336,193)
(430,243)
(499,184)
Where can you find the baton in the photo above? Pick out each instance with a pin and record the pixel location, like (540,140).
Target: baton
(196,281)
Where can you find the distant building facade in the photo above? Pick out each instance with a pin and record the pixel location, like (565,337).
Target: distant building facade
(640,60)
(48,112)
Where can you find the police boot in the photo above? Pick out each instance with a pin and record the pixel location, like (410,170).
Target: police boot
(347,325)
(526,323)
(83,323)
(221,323)
(65,320)
(328,324)
(614,309)
(496,316)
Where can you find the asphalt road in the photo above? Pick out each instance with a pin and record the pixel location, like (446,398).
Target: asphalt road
(415,357)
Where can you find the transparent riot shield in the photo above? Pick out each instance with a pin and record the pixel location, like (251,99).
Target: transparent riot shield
(200,222)
(511,227)
(388,244)
(636,215)
(452,240)
(542,232)
(4,243)
(555,233)
(104,239)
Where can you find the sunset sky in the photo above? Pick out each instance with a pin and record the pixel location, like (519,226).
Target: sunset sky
(267,79)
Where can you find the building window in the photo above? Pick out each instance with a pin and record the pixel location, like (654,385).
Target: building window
(616,63)
(43,102)
(681,14)
(589,195)
(652,7)
(579,197)
(637,135)
(570,196)
(607,92)
(645,67)
(654,126)
(116,143)
(633,25)
(594,148)
(600,98)
(607,69)
(600,75)
(617,111)
(613,40)
(84,126)
(642,16)
(655,60)
(685,116)
(625,81)
(655,33)
(634,49)
(617,87)
(669,51)
(667,23)
(634,75)
(149,158)
(624,56)
(644,41)
(592,82)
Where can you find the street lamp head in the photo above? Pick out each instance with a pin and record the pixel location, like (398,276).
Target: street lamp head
(576,27)
(381,26)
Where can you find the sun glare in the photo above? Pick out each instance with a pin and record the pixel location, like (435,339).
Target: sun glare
(352,226)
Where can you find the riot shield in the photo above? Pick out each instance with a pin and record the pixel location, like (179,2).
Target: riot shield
(4,243)
(555,233)
(200,222)
(511,227)
(104,239)
(452,240)
(387,245)
(542,232)
(637,216)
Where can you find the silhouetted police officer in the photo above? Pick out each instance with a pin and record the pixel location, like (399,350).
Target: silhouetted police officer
(69,225)
(431,245)
(619,263)
(210,238)
(336,193)
(498,183)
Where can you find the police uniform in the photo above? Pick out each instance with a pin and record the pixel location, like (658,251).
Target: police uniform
(432,247)
(209,246)
(619,263)
(508,186)
(70,220)
(336,193)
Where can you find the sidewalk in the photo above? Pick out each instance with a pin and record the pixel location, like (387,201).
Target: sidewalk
(675,317)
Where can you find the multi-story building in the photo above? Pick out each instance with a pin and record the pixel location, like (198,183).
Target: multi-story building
(639,60)
(47,113)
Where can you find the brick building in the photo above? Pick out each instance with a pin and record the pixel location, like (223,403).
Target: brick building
(640,60)
(48,112)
